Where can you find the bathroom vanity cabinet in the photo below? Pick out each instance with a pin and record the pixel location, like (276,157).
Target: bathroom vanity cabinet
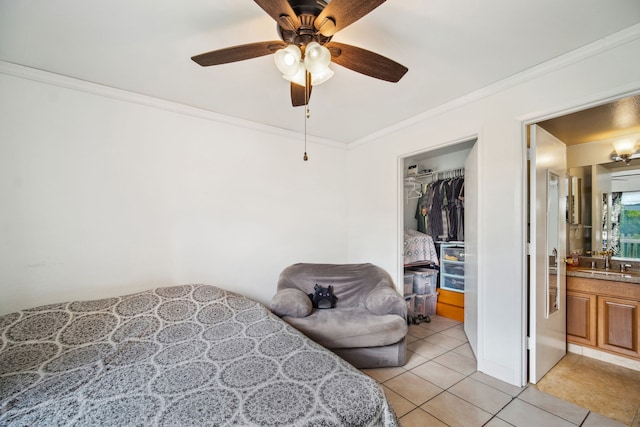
(604,314)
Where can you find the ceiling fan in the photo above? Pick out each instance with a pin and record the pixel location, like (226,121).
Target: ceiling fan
(306,28)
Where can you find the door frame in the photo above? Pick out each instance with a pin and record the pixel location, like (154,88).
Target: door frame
(477,137)
(524,122)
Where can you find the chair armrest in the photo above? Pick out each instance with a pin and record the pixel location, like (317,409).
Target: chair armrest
(291,302)
(386,300)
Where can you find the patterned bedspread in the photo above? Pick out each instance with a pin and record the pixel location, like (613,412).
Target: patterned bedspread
(419,247)
(175,356)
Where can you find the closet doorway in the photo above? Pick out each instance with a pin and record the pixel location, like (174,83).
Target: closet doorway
(438,227)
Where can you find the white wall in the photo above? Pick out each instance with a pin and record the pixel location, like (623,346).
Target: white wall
(103,196)
(605,69)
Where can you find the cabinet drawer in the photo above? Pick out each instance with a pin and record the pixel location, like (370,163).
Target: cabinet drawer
(450,267)
(453,254)
(453,283)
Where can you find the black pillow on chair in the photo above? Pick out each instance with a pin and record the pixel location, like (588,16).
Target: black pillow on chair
(323,297)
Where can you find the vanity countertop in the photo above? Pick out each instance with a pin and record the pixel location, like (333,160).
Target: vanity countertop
(600,274)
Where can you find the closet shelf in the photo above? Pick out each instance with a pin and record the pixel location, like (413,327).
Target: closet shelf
(414,178)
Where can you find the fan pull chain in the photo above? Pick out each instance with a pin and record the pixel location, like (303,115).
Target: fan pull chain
(305,158)
(306,113)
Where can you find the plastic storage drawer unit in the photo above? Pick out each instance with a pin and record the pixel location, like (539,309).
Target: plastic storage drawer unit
(452,266)
(453,283)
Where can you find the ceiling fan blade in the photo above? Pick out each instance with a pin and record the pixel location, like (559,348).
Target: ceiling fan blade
(298,95)
(366,62)
(238,53)
(343,13)
(282,12)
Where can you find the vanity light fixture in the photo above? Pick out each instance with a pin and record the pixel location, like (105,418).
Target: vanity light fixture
(624,150)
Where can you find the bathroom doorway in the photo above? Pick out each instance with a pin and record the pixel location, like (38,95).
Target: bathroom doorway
(589,133)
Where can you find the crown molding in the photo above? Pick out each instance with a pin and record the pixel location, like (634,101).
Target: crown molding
(46,77)
(606,43)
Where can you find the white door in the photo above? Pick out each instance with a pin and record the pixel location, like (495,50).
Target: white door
(547,280)
(471,229)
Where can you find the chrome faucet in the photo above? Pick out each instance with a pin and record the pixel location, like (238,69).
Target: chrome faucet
(607,258)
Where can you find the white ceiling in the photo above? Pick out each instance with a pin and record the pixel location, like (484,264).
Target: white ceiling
(451,47)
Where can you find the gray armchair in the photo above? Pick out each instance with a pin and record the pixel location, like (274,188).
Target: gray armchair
(368,325)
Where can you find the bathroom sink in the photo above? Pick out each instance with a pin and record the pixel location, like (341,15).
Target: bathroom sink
(611,273)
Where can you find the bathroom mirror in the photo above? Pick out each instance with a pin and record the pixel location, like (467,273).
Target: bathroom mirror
(553,241)
(607,209)
(593,137)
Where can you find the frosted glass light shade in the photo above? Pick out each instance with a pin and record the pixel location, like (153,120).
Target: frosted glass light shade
(288,59)
(299,77)
(624,147)
(316,57)
(321,77)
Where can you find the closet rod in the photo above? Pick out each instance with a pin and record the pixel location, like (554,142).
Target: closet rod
(451,173)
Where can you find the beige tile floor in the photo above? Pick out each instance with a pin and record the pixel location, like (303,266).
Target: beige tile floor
(601,387)
(439,386)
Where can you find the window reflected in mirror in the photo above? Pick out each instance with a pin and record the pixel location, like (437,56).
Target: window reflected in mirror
(621,223)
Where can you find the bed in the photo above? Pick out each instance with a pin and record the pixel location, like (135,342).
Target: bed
(179,356)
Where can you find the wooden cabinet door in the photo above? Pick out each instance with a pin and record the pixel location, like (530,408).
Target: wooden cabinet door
(618,325)
(581,318)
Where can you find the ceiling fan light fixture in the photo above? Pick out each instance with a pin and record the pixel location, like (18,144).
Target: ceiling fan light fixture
(299,76)
(321,77)
(306,29)
(316,57)
(288,59)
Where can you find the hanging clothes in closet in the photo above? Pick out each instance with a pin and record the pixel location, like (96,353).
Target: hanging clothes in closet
(440,210)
